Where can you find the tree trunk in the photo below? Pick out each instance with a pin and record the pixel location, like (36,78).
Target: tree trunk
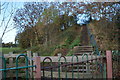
(31,44)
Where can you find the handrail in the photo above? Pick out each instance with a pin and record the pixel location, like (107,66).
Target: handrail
(93,41)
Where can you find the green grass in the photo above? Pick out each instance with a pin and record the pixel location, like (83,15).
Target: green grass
(6,50)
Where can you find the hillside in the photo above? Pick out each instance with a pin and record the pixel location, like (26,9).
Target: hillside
(106,38)
(106,35)
(77,35)
(63,43)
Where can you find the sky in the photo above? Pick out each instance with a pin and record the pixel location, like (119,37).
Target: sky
(5,13)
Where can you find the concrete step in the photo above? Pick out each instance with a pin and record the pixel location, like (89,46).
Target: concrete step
(69,75)
(82,70)
(84,51)
(79,50)
(84,46)
(81,53)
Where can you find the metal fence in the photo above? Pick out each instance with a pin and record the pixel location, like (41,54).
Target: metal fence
(87,66)
(17,68)
(116,63)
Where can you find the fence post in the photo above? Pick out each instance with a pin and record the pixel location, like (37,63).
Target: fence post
(34,55)
(109,64)
(38,68)
(1,63)
(11,63)
(29,55)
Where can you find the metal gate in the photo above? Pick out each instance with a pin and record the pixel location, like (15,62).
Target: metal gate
(116,63)
(17,68)
(89,66)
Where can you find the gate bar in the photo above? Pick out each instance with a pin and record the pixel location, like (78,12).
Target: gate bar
(23,67)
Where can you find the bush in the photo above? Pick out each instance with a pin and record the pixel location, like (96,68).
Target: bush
(76,42)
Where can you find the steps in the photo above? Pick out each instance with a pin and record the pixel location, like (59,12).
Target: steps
(83,67)
(79,50)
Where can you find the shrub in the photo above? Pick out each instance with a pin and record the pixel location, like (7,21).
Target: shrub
(76,42)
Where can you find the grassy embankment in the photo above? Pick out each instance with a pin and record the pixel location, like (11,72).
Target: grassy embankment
(64,43)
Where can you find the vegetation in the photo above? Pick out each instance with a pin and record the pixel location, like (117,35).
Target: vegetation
(6,50)
(10,44)
(51,28)
(107,35)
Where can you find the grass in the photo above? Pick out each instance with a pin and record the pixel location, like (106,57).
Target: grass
(6,50)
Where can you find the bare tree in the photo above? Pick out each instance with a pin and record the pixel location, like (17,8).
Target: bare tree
(7,11)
